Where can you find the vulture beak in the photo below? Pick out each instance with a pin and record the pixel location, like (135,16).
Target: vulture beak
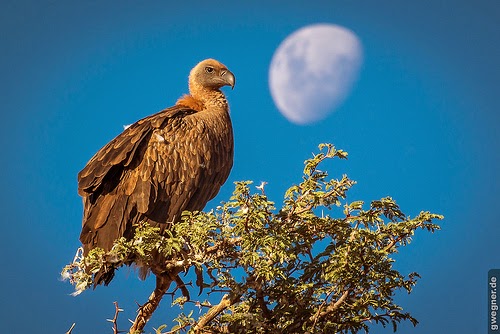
(228,78)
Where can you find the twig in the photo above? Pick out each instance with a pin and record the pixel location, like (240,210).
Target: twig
(181,285)
(178,329)
(332,307)
(316,316)
(218,291)
(71,328)
(114,321)
(200,304)
(230,242)
(398,239)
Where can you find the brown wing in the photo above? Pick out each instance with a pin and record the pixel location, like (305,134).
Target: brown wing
(114,189)
(164,164)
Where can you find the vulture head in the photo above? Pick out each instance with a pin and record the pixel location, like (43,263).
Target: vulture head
(205,81)
(210,74)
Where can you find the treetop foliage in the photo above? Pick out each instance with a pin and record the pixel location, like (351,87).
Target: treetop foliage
(317,263)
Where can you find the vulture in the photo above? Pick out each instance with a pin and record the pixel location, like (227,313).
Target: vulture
(160,166)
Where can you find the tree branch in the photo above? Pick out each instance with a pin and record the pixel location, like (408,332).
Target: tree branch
(146,311)
(339,302)
(259,294)
(225,302)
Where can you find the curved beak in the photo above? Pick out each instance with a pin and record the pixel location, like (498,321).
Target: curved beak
(228,78)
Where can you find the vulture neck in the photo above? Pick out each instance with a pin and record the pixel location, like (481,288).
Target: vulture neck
(203,98)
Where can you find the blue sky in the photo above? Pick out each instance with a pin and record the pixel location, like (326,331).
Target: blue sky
(420,125)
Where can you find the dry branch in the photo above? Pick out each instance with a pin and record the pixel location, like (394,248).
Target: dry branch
(146,311)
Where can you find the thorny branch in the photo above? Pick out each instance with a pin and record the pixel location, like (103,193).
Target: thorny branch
(146,311)
(115,319)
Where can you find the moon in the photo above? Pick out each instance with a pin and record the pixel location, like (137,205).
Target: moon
(313,71)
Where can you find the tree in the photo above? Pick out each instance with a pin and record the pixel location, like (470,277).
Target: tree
(318,264)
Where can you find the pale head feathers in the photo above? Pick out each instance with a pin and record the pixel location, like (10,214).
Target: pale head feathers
(205,81)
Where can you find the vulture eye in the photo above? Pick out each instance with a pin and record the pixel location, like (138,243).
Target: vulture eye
(209,69)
